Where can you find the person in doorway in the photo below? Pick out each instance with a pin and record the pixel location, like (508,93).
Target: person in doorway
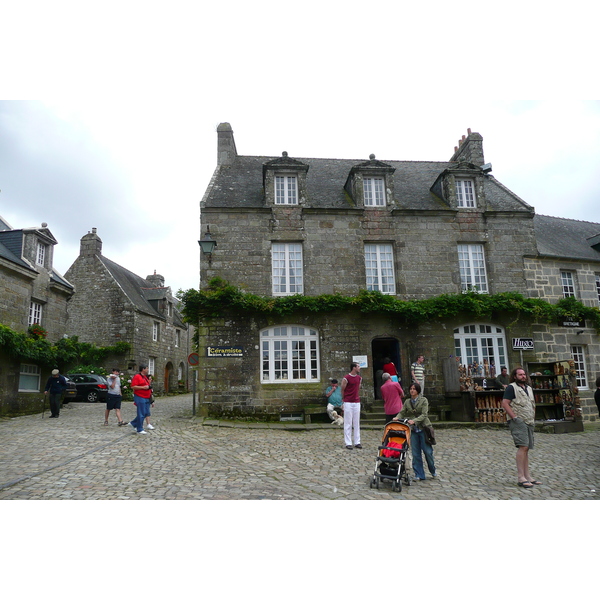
(415,410)
(392,393)
(142,392)
(351,404)
(334,401)
(597,394)
(390,367)
(417,372)
(114,397)
(55,387)
(503,378)
(519,403)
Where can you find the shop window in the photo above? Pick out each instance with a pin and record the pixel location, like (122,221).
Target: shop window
(374,190)
(286,189)
(29,378)
(379,268)
(35,313)
(578,356)
(289,354)
(471,263)
(465,193)
(286,265)
(482,344)
(567,281)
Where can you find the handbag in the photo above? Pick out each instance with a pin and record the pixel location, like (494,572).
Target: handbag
(429,435)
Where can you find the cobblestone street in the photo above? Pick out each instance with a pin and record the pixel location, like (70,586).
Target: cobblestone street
(76,457)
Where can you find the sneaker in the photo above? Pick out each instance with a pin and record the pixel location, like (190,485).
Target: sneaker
(144,432)
(150,427)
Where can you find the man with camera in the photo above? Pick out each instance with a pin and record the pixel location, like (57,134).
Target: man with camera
(142,394)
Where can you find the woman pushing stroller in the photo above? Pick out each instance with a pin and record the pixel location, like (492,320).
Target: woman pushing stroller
(415,410)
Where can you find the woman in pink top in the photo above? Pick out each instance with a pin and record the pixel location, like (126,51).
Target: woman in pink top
(392,394)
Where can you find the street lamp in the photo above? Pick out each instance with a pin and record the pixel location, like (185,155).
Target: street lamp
(207,244)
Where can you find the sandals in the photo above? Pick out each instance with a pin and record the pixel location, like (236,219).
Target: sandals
(525,484)
(106,422)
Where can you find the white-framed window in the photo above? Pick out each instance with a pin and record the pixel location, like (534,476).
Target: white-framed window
(481,343)
(578,355)
(289,354)
(155,331)
(41,254)
(180,372)
(598,288)
(471,262)
(177,338)
(35,313)
(286,265)
(379,268)
(567,281)
(286,189)
(29,378)
(151,365)
(465,193)
(374,188)
(169,309)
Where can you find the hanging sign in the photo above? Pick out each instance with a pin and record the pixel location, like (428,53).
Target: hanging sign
(522,343)
(225,351)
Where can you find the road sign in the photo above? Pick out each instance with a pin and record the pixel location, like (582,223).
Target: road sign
(193,359)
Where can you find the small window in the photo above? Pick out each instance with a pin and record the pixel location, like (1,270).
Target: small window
(465,193)
(567,282)
(29,378)
(289,354)
(35,313)
(379,267)
(151,363)
(286,189)
(41,254)
(578,354)
(374,188)
(598,288)
(177,338)
(155,331)
(471,263)
(286,266)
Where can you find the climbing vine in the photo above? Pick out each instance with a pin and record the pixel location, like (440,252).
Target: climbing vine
(221,299)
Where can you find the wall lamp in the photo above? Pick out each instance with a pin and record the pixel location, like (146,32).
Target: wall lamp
(207,244)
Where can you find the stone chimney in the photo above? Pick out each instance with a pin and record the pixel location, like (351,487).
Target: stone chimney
(156,281)
(91,244)
(469,149)
(226,151)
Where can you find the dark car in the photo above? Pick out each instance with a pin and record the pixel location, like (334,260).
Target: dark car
(71,391)
(90,387)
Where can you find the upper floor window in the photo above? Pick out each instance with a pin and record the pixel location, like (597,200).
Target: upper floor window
(286,262)
(465,193)
(29,378)
(598,288)
(286,189)
(374,188)
(578,354)
(177,338)
(567,282)
(481,344)
(155,331)
(471,262)
(289,354)
(41,254)
(35,313)
(379,267)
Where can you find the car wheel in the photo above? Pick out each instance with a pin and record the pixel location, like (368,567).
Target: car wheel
(92,396)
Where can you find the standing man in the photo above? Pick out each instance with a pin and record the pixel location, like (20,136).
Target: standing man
(55,387)
(142,391)
(519,403)
(114,398)
(351,398)
(417,372)
(392,394)
(503,379)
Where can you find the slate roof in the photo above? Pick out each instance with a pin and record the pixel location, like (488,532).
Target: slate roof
(241,185)
(566,238)
(8,249)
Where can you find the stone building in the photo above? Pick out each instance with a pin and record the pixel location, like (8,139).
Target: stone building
(409,229)
(31,292)
(111,304)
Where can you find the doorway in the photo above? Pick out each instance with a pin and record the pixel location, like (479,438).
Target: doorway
(382,348)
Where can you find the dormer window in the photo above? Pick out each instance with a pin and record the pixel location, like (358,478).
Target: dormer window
(286,189)
(465,193)
(374,189)
(41,254)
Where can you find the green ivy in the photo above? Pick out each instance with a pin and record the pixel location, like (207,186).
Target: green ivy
(222,299)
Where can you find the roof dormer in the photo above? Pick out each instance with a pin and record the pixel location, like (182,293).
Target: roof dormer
(370,184)
(284,181)
(461,186)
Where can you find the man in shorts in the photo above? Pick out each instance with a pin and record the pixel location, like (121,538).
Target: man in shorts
(114,398)
(519,403)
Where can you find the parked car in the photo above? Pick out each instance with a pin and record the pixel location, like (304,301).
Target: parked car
(71,391)
(90,387)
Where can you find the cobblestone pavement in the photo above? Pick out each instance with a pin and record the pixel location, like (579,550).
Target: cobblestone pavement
(76,457)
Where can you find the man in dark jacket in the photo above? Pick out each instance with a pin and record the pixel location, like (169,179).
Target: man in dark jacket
(55,387)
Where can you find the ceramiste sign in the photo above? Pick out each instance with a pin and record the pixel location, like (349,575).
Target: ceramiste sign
(522,343)
(225,351)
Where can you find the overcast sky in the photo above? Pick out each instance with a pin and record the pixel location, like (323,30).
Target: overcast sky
(111,122)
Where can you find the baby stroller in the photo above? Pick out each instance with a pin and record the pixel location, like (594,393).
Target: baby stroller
(391,462)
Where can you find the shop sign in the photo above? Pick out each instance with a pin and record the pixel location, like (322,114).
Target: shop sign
(522,343)
(572,323)
(225,351)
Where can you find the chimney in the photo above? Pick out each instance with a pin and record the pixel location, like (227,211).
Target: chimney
(226,151)
(91,244)
(470,149)
(157,281)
